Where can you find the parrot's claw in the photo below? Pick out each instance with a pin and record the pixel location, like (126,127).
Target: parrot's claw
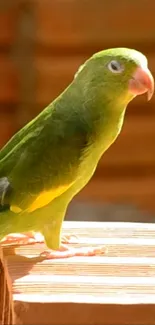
(22,239)
(69,239)
(32,238)
(65,252)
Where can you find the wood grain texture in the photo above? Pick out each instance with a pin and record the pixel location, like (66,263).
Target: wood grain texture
(9,87)
(53,75)
(8,20)
(116,288)
(138,191)
(6,301)
(7,126)
(82,24)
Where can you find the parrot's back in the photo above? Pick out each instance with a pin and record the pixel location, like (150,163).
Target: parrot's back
(53,157)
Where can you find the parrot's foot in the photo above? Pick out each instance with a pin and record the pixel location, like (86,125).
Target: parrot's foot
(65,252)
(22,239)
(32,237)
(70,239)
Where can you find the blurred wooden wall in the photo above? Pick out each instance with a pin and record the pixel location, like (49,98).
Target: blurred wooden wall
(43,42)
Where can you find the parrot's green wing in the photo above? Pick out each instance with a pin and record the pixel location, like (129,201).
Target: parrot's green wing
(40,168)
(31,204)
(30,194)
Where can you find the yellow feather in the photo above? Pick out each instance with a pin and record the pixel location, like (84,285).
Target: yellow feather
(46,197)
(15,209)
(42,199)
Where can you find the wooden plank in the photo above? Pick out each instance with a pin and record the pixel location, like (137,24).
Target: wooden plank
(53,75)
(128,170)
(8,21)
(103,289)
(82,24)
(9,90)
(80,314)
(8,126)
(138,191)
(6,301)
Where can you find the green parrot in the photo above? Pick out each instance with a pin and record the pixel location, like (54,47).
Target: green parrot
(53,157)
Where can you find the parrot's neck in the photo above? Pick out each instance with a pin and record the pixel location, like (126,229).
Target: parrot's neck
(108,125)
(101,119)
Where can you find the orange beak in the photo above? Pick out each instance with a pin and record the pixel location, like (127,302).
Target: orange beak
(142,82)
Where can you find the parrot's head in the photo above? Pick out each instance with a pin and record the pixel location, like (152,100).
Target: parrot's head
(118,74)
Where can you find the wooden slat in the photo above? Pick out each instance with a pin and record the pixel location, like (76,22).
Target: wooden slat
(78,24)
(6,301)
(139,191)
(123,278)
(8,126)
(8,81)
(53,75)
(8,20)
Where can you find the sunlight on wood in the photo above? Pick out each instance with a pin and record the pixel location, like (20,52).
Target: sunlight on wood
(124,278)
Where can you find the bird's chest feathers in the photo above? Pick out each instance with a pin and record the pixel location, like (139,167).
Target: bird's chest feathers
(106,131)
(105,134)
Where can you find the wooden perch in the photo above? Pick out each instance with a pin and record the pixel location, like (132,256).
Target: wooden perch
(118,288)
(6,301)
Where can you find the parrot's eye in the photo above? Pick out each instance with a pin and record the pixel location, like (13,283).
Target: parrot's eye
(115,66)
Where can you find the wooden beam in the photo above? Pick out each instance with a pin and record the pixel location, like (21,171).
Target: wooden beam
(115,288)
(82,24)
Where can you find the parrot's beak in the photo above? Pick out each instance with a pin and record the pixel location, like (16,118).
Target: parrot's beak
(142,82)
